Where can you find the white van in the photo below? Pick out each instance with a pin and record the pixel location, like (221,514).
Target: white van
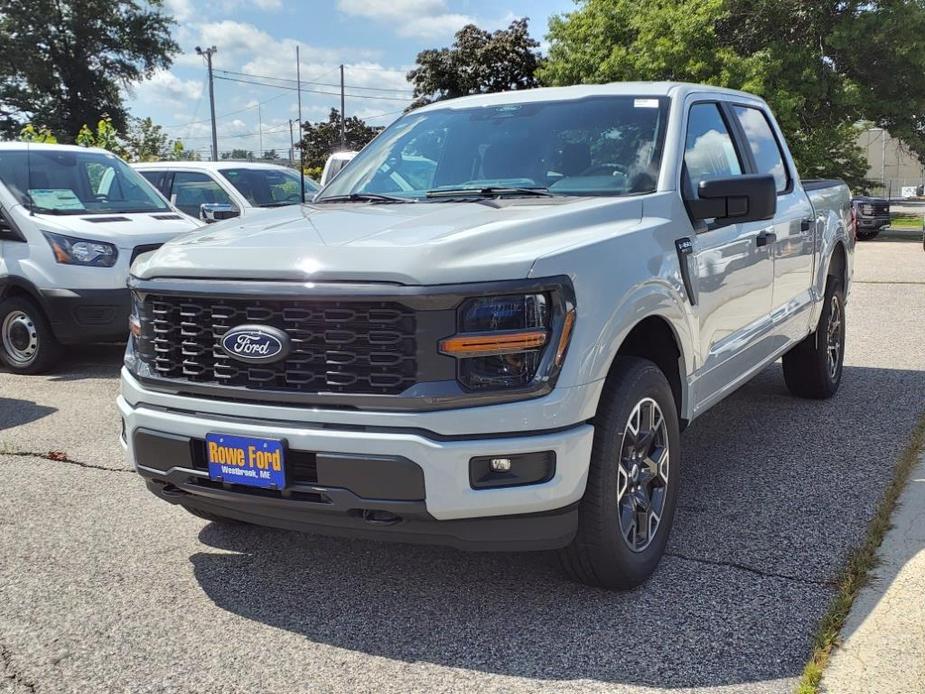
(333,166)
(72,220)
(217,190)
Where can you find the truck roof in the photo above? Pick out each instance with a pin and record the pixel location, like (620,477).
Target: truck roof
(579,91)
(207,165)
(22,146)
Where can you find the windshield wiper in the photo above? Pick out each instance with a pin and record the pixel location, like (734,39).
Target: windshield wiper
(363,197)
(487,192)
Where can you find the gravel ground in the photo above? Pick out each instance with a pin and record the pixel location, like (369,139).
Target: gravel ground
(103,588)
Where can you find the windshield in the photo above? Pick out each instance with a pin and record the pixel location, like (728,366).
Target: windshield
(594,146)
(269,187)
(72,182)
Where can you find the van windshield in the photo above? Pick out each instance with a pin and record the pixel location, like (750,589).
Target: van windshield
(269,187)
(608,145)
(62,182)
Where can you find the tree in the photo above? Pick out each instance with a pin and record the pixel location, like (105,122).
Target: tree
(478,62)
(32,134)
(270,155)
(64,63)
(105,137)
(146,141)
(239,154)
(323,138)
(822,66)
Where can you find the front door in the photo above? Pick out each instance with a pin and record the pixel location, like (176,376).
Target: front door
(732,266)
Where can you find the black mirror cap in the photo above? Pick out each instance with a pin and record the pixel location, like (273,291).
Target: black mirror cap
(748,198)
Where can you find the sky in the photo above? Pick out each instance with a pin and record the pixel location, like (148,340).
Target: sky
(376,40)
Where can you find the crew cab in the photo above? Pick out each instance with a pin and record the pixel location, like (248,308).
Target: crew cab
(213,191)
(490,329)
(72,219)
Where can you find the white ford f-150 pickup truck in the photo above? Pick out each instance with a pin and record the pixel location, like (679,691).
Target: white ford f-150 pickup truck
(491,328)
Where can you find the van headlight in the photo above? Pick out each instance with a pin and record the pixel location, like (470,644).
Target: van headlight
(73,251)
(510,341)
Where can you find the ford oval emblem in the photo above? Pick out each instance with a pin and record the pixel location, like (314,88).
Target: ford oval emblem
(256,344)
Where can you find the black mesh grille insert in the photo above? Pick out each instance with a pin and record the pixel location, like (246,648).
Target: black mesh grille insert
(336,346)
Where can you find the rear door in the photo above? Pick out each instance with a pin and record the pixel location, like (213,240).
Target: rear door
(791,238)
(733,269)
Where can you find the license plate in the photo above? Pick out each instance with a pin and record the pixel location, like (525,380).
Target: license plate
(246,460)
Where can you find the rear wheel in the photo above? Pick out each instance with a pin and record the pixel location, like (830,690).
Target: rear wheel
(813,368)
(626,513)
(27,344)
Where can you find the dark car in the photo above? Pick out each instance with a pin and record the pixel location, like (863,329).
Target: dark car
(872,215)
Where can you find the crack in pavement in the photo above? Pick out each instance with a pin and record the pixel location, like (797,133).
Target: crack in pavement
(57,457)
(10,674)
(751,569)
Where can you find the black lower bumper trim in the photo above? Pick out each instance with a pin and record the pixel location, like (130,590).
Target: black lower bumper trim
(88,315)
(331,514)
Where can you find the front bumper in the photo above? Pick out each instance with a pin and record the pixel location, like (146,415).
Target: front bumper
(87,315)
(444,509)
(873,222)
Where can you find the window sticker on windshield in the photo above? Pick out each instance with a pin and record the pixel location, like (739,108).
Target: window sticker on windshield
(645,103)
(56,199)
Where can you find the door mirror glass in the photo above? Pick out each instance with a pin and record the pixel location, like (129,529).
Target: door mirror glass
(217,211)
(748,198)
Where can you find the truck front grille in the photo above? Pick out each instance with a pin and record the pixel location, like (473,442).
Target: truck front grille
(346,346)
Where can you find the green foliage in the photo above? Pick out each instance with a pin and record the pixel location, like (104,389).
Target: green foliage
(41,134)
(270,155)
(238,154)
(478,62)
(822,66)
(64,63)
(105,137)
(313,172)
(322,138)
(146,141)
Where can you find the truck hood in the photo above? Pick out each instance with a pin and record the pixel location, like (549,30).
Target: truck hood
(124,230)
(409,243)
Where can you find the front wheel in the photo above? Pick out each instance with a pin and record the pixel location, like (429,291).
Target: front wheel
(626,513)
(813,368)
(27,344)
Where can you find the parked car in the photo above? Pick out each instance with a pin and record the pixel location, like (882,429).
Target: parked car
(72,220)
(499,354)
(872,215)
(212,191)
(334,164)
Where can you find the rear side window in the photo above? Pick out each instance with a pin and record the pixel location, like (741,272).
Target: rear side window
(192,189)
(709,151)
(153,177)
(768,157)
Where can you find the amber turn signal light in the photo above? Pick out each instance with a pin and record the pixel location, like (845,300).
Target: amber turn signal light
(566,336)
(490,344)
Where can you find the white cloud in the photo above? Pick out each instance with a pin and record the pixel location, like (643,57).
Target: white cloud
(427,19)
(166,86)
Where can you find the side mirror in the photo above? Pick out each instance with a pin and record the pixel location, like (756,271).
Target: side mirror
(217,211)
(749,198)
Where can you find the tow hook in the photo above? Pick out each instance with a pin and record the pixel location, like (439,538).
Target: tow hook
(380,517)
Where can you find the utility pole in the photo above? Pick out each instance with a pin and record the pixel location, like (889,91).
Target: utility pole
(343,116)
(291,144)
(207,54)
(260,131)
(298,80)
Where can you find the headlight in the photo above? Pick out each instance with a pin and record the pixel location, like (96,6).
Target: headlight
(510,341)
(867,209)
(71,251)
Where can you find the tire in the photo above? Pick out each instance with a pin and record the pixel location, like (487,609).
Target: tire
(213,517)
(813,368)
(868,235)
(27,344)
(606,551)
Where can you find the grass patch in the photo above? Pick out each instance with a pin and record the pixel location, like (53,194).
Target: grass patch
(856,573)
(906,221)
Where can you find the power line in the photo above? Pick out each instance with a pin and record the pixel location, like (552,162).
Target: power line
(224,115)
(313,91)
(317,83)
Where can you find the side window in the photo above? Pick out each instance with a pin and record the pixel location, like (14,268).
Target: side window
(191,189)
(709,151)
(154,178)
(765,149)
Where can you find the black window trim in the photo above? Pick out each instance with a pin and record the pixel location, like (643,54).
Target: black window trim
(15,234)
(746,162)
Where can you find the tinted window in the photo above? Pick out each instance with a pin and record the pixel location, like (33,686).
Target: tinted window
(709,151)
(153,177)
(192,189)
(763,144)
(595,146)
(269,187)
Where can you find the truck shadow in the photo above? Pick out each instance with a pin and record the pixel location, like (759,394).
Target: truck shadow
(15,412)
(775,492)
(80,362)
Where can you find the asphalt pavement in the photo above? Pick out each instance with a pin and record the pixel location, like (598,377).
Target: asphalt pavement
(103,588)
